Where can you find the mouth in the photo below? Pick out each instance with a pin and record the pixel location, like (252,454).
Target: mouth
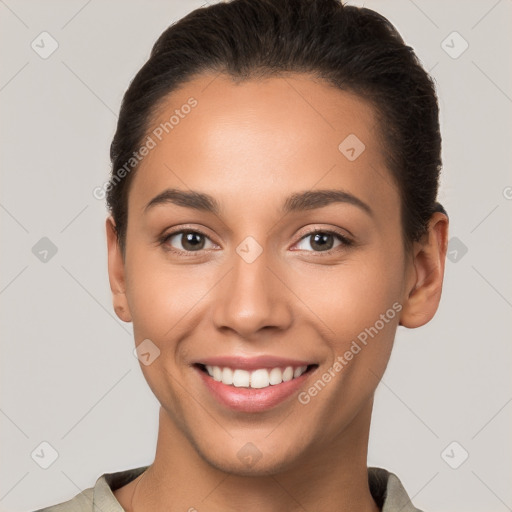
(255,390)
(259,378)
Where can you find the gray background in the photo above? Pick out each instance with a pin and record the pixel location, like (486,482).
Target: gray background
(68,373)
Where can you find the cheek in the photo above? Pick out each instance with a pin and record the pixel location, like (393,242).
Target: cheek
(357,306)
(352,296)
(164,298)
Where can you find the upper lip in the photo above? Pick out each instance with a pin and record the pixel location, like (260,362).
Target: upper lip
(253,363)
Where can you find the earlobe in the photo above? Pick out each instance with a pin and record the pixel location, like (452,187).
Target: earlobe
(116,272)
(423,296)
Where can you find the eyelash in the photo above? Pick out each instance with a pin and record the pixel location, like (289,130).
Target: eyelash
(345,241)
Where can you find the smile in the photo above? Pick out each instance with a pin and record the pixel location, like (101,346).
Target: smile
(254,389)
(256,379)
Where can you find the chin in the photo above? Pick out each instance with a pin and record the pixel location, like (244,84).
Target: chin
(265,466)
(248,458)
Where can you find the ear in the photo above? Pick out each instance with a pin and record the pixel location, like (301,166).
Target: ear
(116,273)
(426,273)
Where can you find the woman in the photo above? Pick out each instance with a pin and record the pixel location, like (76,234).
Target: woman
(273,221)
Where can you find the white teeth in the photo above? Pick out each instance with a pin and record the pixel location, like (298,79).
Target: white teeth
(276,376)
(257,379)
(260,379)
(241,378)
(227,376)
(298,372)
(217,373)
(288,374)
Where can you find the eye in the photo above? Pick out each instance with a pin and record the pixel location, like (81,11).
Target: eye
(323,241)
(190,241)
(187,241)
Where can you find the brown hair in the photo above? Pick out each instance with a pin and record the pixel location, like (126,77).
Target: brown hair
(354,49)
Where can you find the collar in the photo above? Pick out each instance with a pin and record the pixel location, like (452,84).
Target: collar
(386,488)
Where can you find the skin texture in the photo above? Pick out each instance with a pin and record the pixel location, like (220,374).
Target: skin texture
(251,145)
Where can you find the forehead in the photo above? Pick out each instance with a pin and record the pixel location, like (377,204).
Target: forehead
(259,138)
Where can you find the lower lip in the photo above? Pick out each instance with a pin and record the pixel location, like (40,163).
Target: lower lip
(252,399)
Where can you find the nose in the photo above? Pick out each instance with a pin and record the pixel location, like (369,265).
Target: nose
(252,297)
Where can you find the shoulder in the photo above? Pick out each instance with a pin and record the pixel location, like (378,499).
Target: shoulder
(82,502)
(101,496)
(388,491)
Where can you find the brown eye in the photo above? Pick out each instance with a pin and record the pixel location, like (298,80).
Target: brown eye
(322,241)
(187,241)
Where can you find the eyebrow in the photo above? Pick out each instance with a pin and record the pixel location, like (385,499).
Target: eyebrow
(299,201)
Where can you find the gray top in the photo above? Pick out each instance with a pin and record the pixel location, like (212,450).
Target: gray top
(387,491)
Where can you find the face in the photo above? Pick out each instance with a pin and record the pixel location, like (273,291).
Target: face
(295,258)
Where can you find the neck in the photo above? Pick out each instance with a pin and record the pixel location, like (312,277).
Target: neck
(332,477)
